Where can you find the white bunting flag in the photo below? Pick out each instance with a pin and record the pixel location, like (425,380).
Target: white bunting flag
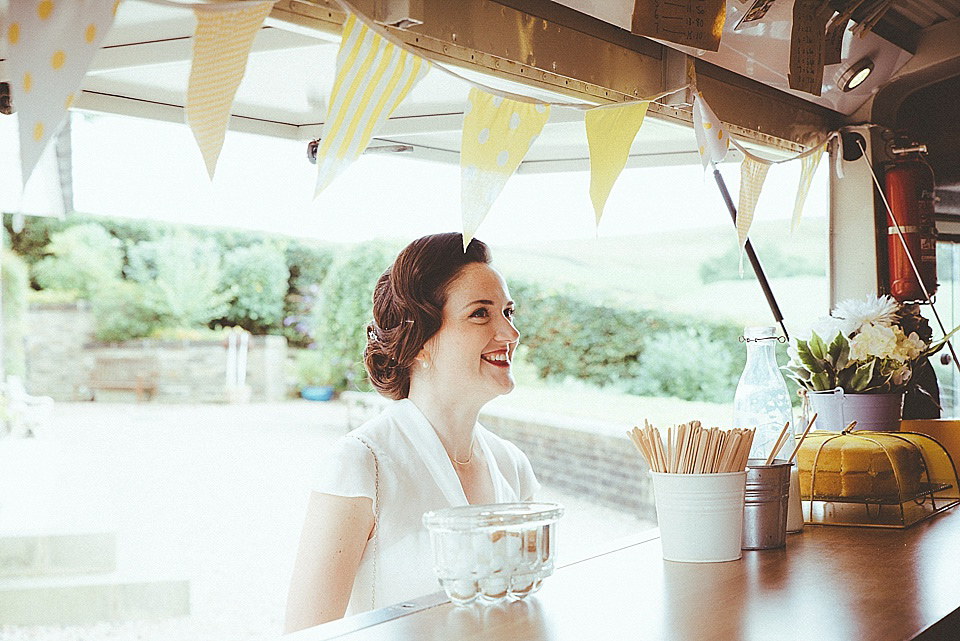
(712,140)
(50,46)
(610,133)
(221,46)
(808,167)
(497,133)
(752,175)
(373,77)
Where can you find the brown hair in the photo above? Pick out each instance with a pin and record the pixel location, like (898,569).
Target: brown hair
(408,306)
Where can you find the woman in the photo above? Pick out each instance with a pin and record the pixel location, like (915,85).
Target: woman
(441,345)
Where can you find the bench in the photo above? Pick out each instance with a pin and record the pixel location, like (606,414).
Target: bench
(137,374)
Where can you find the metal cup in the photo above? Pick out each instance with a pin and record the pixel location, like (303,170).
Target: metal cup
(765,505)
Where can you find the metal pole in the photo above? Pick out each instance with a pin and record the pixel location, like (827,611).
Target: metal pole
(752,255)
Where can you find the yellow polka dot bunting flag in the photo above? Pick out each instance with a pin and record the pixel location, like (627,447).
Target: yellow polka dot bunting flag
(497,133)
(373,77)
(752,175)
(221,46)
(712,140)
(50,46)
(610,133)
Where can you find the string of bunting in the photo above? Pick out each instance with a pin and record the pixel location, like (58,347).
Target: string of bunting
(52,44)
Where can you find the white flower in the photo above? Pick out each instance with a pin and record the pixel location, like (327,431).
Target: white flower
(910,346)
(902,375)
(870,311)
(873,341)
(827,328)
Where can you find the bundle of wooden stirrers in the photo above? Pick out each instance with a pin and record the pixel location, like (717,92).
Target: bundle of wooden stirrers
(692,449)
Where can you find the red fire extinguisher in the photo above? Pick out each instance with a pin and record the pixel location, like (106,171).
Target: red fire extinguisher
(909,188)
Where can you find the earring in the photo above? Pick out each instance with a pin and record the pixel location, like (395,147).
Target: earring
(425,364)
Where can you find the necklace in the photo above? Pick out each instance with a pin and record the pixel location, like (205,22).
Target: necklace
(469,458)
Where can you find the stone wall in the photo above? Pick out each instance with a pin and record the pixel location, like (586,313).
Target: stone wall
(61,354)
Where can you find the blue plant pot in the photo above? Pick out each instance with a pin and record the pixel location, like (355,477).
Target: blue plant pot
(317,392)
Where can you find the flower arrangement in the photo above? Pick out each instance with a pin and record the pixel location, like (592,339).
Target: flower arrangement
(871,346)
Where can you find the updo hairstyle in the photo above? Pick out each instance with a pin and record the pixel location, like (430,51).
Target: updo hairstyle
(408,306)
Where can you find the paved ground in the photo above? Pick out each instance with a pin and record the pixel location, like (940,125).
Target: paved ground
(216,494)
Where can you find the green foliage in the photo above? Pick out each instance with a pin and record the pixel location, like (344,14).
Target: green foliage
(255,278)
(181,276)
(123,311)
(343,310)
(84,259)
(308,265)
(13,273)
(313,369)
(776,264)
(685,364)
(642,351)
(31,242)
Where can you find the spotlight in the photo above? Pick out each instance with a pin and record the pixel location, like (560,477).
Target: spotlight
(855,74)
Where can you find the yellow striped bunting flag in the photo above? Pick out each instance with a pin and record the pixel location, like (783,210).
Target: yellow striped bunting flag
(808,167)
(221,46)
(752,175)
(373,77)
(50,46)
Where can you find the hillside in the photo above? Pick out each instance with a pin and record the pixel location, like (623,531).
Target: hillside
(663,270)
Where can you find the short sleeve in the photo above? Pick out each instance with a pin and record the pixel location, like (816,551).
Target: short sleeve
(349,469)
(529,485)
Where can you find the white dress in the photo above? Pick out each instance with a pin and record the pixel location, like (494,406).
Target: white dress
(411,475)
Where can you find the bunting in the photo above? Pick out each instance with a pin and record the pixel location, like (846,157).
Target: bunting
(752,175)
(373,76)
(497,133)
(808,167)
(712,139)
(221,46)
(51,44)
(610,133)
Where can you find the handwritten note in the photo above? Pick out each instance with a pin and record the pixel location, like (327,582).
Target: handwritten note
(693,23)
(833,49)
(807,42)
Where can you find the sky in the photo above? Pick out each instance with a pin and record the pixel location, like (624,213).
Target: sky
(132,167)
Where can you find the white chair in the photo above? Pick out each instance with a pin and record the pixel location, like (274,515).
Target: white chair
(24,415)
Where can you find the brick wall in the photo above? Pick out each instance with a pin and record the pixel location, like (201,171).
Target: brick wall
(61,354)
(585,458)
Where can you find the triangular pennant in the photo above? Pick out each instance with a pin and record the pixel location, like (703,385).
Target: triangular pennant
(497,133)
(373,77)
(712,140)
(808,167)
(51,44)
(610,133)
(752,175)
(221,46)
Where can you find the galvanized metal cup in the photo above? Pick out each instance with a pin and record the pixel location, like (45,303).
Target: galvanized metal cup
(765,505)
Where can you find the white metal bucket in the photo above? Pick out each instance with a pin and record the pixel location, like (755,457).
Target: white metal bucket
(836,409)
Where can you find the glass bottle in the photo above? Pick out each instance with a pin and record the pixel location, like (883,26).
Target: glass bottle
(761,400)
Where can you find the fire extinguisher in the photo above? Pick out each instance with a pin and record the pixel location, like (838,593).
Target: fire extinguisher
(909,189)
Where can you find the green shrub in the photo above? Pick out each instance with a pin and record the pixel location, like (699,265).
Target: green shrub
(16,283)
(181,276)
(569,338)
(82,258)
(308,265)
(123,311)
(343,309)
(255,279)
(314,369)
(685,364)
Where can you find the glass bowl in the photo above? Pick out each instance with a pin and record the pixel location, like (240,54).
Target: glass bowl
(493,552)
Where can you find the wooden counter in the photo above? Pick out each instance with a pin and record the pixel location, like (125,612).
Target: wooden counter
(829,584)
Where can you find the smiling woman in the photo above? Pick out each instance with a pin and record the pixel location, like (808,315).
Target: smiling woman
(440,345)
